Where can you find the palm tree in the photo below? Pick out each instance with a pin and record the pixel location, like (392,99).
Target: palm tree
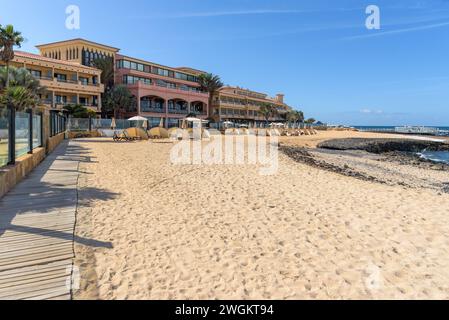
(20,77)
(210,83)
(267,111)
(118,98)
(300,116)
(19,97)
(79,111)
(106,65)
(9,38)
(292,116)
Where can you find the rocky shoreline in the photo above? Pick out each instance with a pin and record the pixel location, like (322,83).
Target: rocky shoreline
(383,145)
(386,161)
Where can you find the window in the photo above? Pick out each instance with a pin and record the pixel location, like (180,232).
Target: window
(61,99)
(161,83)
(133,80)
(83,101)
(162,72)
(61,77)
(36,73)
(84,81)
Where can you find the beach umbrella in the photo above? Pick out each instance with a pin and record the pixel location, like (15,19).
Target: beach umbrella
(137,118)
(159,133)
(184,124)
(161,124)
(193,119)
(145,125)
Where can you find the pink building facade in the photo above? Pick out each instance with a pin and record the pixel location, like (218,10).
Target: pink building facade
(162,92)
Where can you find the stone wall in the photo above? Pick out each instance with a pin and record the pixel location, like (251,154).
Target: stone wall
(11,175)
(53,142)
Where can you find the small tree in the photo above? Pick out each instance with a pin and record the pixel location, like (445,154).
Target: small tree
(310,121)
(267,111)
(118,98)
(106,65)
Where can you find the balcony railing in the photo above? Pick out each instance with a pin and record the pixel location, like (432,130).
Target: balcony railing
(151,109)
(67,81)
(178,111)
(183,89)
(199,112)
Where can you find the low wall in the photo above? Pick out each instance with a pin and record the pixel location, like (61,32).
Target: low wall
(83,134)
(53,142)
(11,175)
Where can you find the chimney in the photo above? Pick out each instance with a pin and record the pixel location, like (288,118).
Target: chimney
(280,98)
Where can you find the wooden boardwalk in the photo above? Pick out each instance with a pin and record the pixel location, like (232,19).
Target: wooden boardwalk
(37,220)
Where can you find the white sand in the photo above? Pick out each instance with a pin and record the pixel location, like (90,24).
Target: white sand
(226,232)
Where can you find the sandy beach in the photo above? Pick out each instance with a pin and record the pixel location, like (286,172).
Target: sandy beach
(227,232)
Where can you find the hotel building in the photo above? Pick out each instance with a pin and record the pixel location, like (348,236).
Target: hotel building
(65,82)
(161,92)
(242,106)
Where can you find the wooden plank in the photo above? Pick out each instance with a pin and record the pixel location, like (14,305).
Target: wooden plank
(34,269)
(36,289)
(30,280)
(37,220)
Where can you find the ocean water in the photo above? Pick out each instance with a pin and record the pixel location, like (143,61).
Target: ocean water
(381,128)
(436,156)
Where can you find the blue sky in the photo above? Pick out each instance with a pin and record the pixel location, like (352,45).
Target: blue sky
(318,53)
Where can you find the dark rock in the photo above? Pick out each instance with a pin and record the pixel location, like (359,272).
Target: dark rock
(384,145)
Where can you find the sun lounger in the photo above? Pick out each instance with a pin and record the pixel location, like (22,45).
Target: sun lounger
(121,136)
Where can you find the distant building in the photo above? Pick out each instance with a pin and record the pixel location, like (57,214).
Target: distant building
(240,105)
(66,82)
(161,92)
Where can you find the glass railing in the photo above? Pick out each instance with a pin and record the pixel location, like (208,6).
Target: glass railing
(22,133)
(37,131)
(4,125)
(178,111)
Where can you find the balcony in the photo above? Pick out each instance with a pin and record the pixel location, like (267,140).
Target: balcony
(74,85)
(148,106)
(159,86)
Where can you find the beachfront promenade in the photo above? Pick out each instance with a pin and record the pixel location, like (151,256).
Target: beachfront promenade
(37,220)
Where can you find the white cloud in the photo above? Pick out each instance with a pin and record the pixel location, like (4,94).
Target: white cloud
(370,111)
(399,31)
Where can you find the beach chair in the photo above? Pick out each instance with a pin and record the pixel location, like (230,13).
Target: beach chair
(121,136)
